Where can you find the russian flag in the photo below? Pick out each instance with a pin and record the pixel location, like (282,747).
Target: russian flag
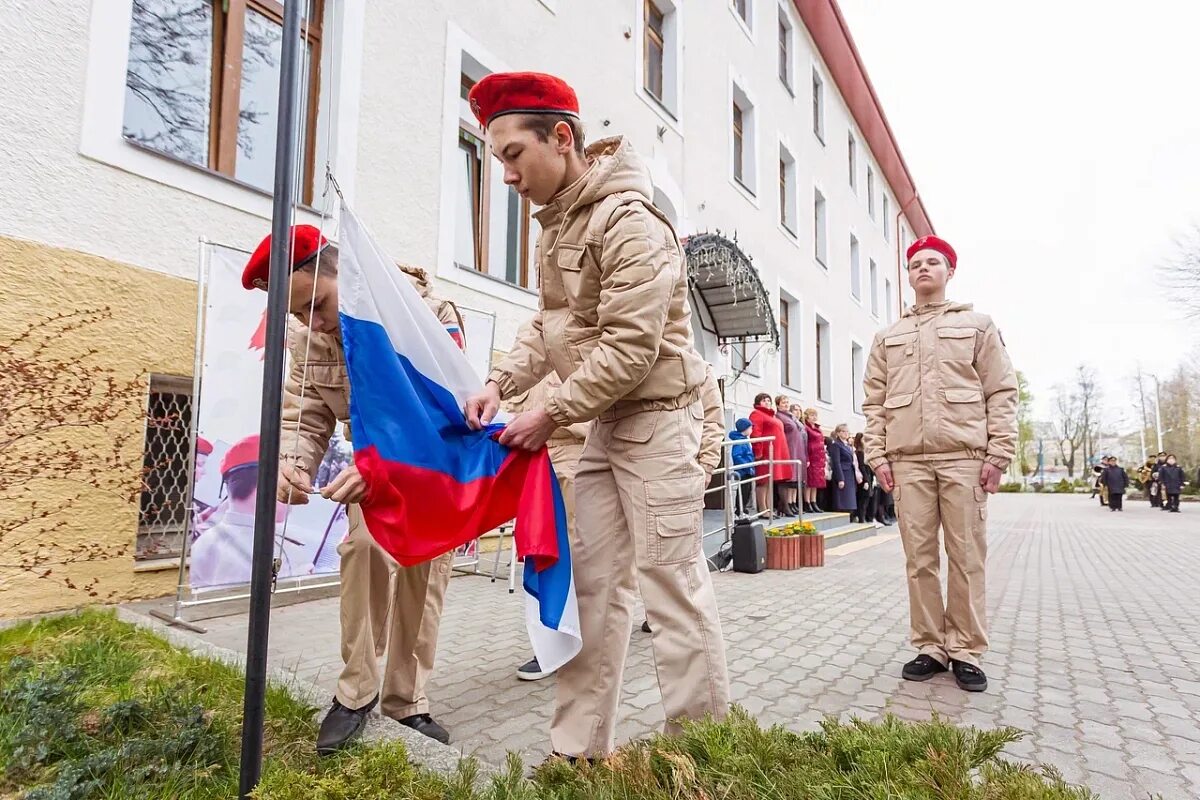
(433,483)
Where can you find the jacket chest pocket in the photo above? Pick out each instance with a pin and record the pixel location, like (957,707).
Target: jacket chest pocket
(570,262)
(956,344)
(901,350)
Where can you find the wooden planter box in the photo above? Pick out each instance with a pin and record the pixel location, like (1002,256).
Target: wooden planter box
(793,552)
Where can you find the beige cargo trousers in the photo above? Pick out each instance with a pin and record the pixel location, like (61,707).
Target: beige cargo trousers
(639,494)
(391,611)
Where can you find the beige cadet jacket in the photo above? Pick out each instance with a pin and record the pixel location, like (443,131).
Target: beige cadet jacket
(316,394)
(614,320)
(939,385)
(572,434)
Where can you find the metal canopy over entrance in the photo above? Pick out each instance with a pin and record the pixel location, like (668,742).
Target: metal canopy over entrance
(727,294)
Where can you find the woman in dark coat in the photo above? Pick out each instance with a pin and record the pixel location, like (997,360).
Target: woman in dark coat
(1170,476)
(767,424)
(1116,480)
(793,431)
(865,495)
(845,470)
(814,477)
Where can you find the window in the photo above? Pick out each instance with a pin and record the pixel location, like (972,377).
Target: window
(818,106)
(820,245)
(785,50)
(823,360)
(852,160)
(789,350)
(659,57)
(202,85)
(888,301)
(655,46)
(492,222)
(744,163)
(887,213)
(871,191)
(165,501)
(874,289)
(743,10)
(787,190)
(855,269)
(856,376)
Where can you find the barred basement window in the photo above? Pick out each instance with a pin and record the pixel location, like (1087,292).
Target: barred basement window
(165,501)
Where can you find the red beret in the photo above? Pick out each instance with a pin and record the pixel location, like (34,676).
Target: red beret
(203,446)
(933,243)
(244,453)
(308,240)
(521,93)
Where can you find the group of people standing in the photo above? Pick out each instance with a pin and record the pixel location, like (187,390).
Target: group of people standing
(810,471)
(1161,476)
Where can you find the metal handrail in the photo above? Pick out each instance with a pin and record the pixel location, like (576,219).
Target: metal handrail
(728,486)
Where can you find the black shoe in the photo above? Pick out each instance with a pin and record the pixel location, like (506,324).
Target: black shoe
(816,509)
(922,668)
(341,725)
(645,626)
(531,670)
(424,725)
(969,677)
(808,508)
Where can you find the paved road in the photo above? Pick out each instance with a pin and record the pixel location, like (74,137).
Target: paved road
(1095,647)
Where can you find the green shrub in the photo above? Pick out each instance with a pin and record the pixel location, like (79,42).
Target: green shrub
(1063,485)
(1011,487)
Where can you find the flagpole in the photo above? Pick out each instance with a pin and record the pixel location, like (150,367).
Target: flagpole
(253,709)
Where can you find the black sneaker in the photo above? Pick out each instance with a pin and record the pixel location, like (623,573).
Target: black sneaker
(531,670)
(969,677)
(341,725)
(424,725)
(922,668)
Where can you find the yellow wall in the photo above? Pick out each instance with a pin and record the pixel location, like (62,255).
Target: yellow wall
(68,499)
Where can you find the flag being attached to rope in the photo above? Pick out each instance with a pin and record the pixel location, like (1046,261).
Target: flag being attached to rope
(433,483)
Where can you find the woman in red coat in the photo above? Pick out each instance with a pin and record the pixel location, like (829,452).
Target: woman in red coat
(816,462)
(767,424)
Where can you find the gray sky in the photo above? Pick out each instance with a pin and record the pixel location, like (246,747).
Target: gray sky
(1056,145)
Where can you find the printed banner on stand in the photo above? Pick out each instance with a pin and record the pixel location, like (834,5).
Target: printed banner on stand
(227,425)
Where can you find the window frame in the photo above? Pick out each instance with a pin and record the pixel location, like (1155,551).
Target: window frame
(482,207)
(820,228)
(871,191)
(856,269)
(657,37)
(789,211)
(818,106)
(858,366)
(822,342)
(852,159)
(225,85)
(873,280)
(787,52)
(887,213)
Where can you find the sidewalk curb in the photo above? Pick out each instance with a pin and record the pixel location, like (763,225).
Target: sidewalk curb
(422,751)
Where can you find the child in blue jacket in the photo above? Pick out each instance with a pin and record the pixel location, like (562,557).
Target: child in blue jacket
(742,454)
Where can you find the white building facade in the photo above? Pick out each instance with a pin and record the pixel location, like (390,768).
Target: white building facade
(754,116)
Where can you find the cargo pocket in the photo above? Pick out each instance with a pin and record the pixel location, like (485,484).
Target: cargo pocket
(956,344)
(645,435)
(673,517)
(569,259)
(981,502)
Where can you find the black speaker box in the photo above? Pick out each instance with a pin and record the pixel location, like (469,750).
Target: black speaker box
(749,547)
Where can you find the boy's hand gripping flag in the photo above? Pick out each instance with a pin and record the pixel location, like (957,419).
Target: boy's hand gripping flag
(433,483)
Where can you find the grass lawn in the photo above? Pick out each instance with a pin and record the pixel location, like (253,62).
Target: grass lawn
(93,708)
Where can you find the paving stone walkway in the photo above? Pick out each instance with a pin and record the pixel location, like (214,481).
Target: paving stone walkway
(1095,628)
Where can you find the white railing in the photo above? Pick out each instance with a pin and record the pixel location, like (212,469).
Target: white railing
(732,487)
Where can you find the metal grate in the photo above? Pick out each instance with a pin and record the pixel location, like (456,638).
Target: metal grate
(165,504)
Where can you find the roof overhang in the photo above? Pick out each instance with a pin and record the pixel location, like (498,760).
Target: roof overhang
(831,35)
(726,291)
